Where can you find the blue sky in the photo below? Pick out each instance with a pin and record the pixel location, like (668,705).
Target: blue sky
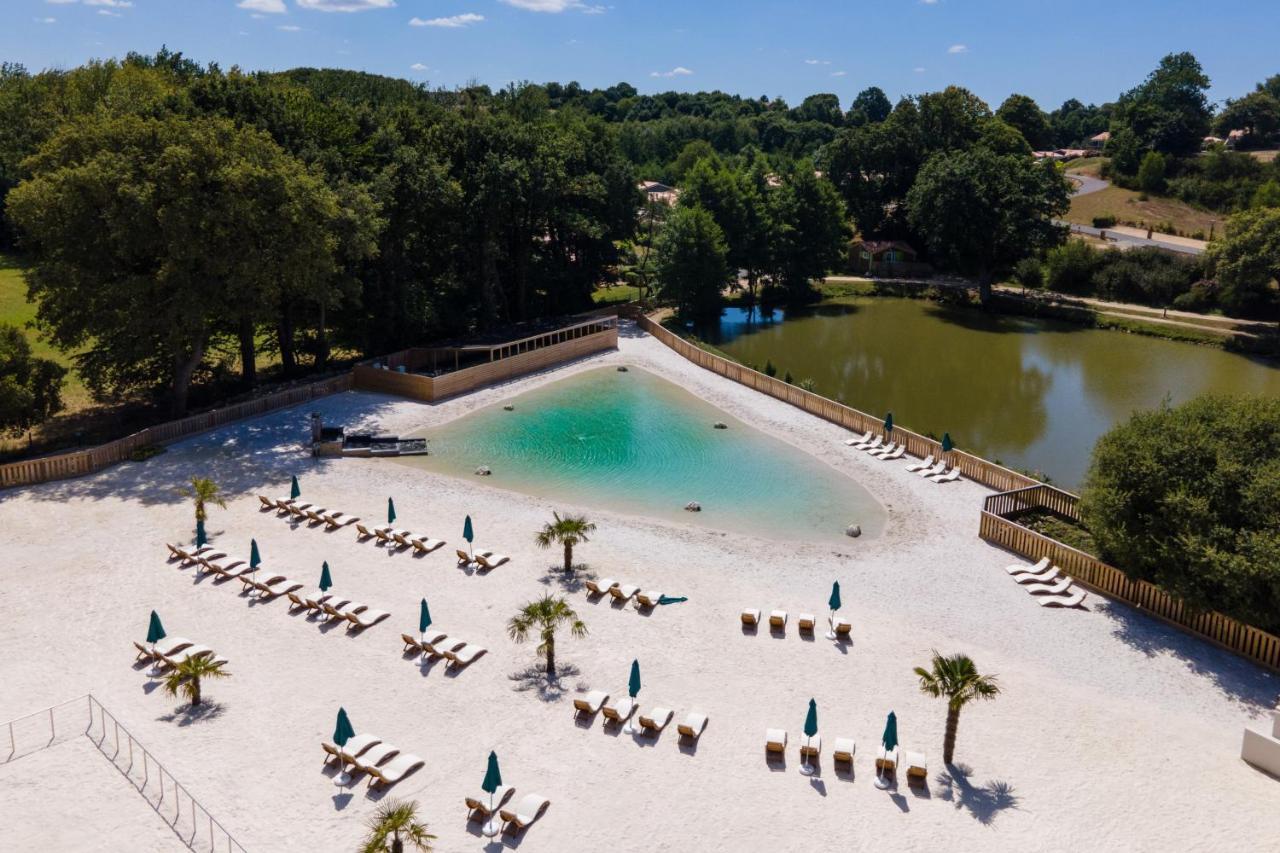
(749,47)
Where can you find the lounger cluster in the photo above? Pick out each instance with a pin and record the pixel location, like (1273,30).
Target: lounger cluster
(401,539)
(935,472)
(651,723)
(1048,584)
(210,559)
(516,818)
(314,515)
(843,751)
(484,559)
(644,598)
(383,763)
(438,644)
(333,606)
(875,446)
(751,616)
(172,651)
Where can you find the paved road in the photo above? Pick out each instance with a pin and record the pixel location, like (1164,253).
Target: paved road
(1086,184)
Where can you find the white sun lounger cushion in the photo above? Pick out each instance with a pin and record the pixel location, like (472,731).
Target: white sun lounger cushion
(693,726)
(1019,569)
(775,740)
(592,702)
(657,719)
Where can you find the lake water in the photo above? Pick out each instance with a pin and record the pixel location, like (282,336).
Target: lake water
(1032,394)
(636,443)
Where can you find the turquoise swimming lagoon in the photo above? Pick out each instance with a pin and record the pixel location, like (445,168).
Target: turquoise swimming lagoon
(635,443)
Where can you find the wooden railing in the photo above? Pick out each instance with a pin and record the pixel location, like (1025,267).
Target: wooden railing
(973,467)
(999,526)
(79,462)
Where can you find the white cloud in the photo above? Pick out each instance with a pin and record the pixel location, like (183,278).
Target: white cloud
(289,28)
(958,48)
(45,20)
(929,2)
(838,73)
(108,13)
(678,71)
(61,2)
(554,7)
(817,62)
(919,69)
(115,4)
(418,66)
(452,22)
(270,7)
(345,5)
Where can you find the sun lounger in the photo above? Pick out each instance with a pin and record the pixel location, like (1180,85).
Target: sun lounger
(334,520)
(478,807)
(647,598)
(1019,569)
(886,762)
(267,503)
(331,752)
(219,564)
(296,600)
(656,720)
(276,585)
(600,587)
(805,622)
(373,756)
(356,746)
(394,770)
(410,644)
(811,746)
(620,711)
(1050,574)
(298,510)
(442,646)
(844,750)
(853,442)
(317,515)
(189,554)
(917,767)
(949,477)
(842,627)
(194,651)
(432,637)
(693,726)
(425,544)
(622,592)
(940,468)
(366,532)
(490,560)
(465,655)
(881,452)
(896,454)
(875,444)
(751,616)
(402,537)
(463,557)
(1058,587)
(283,504)
(778,619)
(167,646)
(385,534)
(330,605)
(1074,599)
(591,703)
(203,555)
(529,809)
(366,618)
(920,466)
(775,740)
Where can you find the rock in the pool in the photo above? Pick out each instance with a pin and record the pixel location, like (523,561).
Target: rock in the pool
(509,408)
(622,368)
(721,425)
(693,506)
(853,531)
(484,471)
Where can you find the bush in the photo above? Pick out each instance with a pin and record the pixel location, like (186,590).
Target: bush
(1107,221)
(1188,498)
(1069,268)
(1029,273)
(769,369)
(1151,172)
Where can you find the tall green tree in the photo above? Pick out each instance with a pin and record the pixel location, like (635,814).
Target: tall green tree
(565,531)
(544,617)
(30,387)
(956,679)
(1169,112)
(187,677)
(204,491)
(1246,259)
(1151,172)
(809,219)
(870,106)
(1257,113)
(693,265)
(145,233)
(1024,114)
(393,826)
(979,213)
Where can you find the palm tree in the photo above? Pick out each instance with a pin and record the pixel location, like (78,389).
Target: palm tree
(956,679)
(546,615)
(393,820)
(566,530)
(204,491)
(185,677)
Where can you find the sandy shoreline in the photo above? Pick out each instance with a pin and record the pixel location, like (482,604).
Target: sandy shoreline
(1114,733)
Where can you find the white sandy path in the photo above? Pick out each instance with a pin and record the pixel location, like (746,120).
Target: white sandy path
(1114,732)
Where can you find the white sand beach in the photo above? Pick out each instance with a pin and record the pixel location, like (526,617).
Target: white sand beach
(1114,732)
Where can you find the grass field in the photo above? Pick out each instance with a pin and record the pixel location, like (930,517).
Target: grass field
(615,293)
(1086,165)
(1128,208)
(17,311)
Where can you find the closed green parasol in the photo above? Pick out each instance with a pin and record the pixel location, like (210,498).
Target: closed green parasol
(888,423)
(889,740)
(834,603)
(810,729)
(424,617)
(342,732)
(947,444)
(326,580)
(391,511)
(633,683)
(492,782)
(468,533)
(155,631)
(201,538)
(295,491)
(255,559)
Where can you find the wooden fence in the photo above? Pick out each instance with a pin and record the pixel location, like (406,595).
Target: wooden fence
(999,526)
(79,462)
(973,467)
(1017,494)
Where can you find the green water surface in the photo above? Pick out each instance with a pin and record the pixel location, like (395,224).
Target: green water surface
(636,443)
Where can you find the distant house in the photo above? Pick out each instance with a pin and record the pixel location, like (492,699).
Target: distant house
(885,257)
(1101,140)
(1210,141)
(659,192)
(1235,137)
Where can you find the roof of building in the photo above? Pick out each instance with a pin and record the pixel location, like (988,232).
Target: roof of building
(1105,136)
(875,247)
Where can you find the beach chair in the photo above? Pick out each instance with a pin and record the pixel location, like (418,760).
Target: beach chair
(600,587)
(330,605)
(386,535)
(201,555)
(940,468)
(364,531)
(775,740)
(410,644)
(778,619)
(1050,574)
(620,711)
(805,622)
(394,770)
(296,600)
(433,637)
(920,466)
(917,767)
(529,809)
(875,444)
(283,504)
(1058,587)
(316,515)
(366,618)
(478,807)
(656,720)
(334,520)
(854,442)
(402,537)
(355,747)
(375,755)
(842,627)
(167,646)
(331,751)
(811,746)
(844,750)
(298,510)
(887,761)
(896,454)
(464,559)
(647,598)
(1075,599)
(882,452)
(693,726)
(278,585)
(459,658)
(490,560)
(751,616)
(442,646)
(949,477)
(267,503)
(187,653)
(425,544)
(1019,569)
(591,703)
(622,592)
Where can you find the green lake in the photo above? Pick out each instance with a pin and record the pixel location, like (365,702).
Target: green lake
(1032,394)
(632,442)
